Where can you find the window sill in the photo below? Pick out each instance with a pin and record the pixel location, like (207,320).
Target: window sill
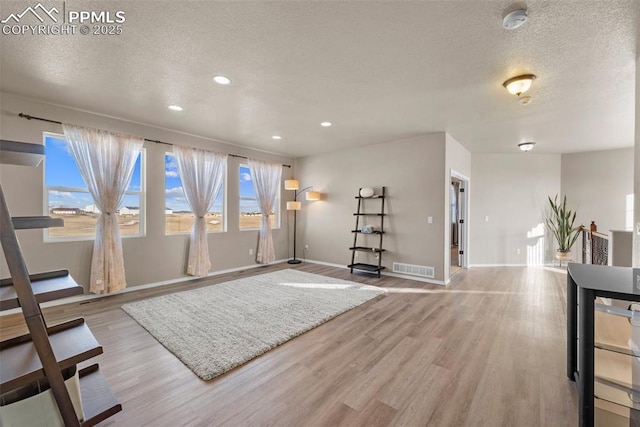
(85,238)
(186,233)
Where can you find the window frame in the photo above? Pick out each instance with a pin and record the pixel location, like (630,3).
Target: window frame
(142,195)
(278,204)
(224,200)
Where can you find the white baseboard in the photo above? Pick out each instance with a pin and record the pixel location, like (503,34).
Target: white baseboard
(90,297)
(506,265)
(500,265)
(384,273)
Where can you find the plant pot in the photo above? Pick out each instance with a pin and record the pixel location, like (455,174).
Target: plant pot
(563,255)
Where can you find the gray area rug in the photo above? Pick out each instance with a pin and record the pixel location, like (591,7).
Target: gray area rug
(219,327)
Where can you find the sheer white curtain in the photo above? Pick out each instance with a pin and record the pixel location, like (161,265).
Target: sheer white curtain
(106,161)
(266,181)
(202,173)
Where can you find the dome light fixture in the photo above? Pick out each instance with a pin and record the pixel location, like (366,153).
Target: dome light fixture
(515,19)
(276,137)
(519,84)
(526,146)
(326,124)
(222,80)
(175,108)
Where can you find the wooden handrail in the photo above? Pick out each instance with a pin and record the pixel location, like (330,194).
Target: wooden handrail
(594,233)
(594,238)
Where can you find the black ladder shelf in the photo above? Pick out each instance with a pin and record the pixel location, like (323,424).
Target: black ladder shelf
(361,232)
(46,358)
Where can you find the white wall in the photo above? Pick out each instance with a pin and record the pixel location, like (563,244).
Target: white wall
(636,180)
(597,184)
(511,190)
(152,258)
(458,159)
(413,171)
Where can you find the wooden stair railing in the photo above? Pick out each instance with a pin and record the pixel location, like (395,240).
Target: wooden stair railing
(595,245)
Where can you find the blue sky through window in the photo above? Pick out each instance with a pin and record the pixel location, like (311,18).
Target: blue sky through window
(174,195)
(248,201)
(61,171)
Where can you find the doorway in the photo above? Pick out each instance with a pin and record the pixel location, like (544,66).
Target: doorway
(458,230)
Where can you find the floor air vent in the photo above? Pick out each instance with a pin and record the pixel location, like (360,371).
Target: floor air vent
(414,270)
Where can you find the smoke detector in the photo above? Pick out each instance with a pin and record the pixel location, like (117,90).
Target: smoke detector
(514,19)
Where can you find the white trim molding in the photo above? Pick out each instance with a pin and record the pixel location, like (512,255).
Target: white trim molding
(384,273)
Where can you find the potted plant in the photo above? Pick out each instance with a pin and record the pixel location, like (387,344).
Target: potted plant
(560,221)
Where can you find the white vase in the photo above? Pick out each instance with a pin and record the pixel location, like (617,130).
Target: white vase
(366,192)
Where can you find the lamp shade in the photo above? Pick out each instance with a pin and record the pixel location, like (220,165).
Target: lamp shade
(313,195)
(291,184)
(520,84)
(294,206)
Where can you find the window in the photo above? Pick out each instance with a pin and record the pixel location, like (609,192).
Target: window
(250,215)
(67,196)
(178,215)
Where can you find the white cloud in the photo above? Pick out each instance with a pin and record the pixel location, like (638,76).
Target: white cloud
(60,143)
(63,194)
(175,193)
(244,176)
(171,167)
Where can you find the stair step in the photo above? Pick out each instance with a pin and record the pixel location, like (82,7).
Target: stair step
(46,287)
(98,401)
(72,343)
(31,222)
(371,268)
(366,249)
(21,153)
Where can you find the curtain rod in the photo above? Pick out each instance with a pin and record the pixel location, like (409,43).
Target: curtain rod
(28,117)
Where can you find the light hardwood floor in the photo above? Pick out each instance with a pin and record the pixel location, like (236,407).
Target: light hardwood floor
(488,350)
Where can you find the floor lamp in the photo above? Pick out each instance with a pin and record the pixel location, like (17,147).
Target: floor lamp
(295,205)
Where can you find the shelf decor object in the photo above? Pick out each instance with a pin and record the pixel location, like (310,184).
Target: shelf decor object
(296,205)
(368,229)
(366,192)
(40,383)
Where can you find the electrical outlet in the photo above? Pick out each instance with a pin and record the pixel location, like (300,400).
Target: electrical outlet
(518,251)
(306,247)
(377,256)
(250,251)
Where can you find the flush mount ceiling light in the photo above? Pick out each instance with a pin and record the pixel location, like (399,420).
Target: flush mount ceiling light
(526,146)
(222,80)
(276,137)
(175,107)
(326,124)
(519,84)
(515,19)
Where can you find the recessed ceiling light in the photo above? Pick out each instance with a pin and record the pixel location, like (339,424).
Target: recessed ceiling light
(325,124)
(222,80)
(526,146)
(276,137)
(175,107)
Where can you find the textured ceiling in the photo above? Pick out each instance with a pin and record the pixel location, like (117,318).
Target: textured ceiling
(380,71)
